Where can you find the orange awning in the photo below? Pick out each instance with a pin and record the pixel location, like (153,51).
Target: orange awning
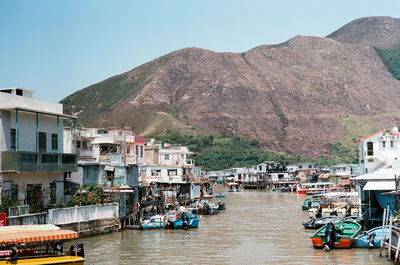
(37,236)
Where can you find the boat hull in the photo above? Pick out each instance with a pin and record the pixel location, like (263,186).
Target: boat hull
(343,243)
(64,260)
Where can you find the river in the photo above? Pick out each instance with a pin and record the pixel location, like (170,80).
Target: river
(256,228)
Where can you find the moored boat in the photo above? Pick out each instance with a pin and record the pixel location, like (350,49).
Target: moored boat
(178,220)
(372,238)
(316,188)
(339,235)
(220,195)
(38,244)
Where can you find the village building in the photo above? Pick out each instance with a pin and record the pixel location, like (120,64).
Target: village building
(379,155)
(33,162)
(171,171)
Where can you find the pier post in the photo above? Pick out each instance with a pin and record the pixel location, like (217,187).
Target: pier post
(384,232)
(390,239)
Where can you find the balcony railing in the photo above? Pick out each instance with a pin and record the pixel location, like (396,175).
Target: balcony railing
(21,161)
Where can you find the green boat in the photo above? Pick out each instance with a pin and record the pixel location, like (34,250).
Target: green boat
(338,235)
(314,203)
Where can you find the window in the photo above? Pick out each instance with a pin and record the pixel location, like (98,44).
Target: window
(391,143)
(141,151)
(42,142)
(172,172)
(370,148)
(300,166)
(137,150)
(156,172)
(13,139)
(53,193)
(166,157)
(384,144)
(370,160)
(54,141)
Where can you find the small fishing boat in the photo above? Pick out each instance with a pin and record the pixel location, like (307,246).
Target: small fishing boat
(39,244)
(310,203)
(233,186)
(179,220)
(220,195)
(203,207)
(276,189)
(153,222)
(372,238)
(315,223)
(339,235)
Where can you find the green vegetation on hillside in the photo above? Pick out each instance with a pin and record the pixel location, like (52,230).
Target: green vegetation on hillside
(391,57)
(104,95)
(217,152)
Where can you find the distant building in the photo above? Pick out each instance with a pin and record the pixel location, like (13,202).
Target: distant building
(32,159)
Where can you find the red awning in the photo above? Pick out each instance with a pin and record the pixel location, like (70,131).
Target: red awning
(37,236)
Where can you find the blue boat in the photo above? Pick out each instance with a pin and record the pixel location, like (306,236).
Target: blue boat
(220,195)
(179,220)
(371,238)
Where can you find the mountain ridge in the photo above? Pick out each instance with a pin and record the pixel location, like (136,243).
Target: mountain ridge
(290,96)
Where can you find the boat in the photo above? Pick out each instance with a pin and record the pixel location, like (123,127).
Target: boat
(372,238)
(39,244)
(340,204)
(233,186)
(220,195)
(315,223)
(316,188)
(153,222)
(276,189)
(310,203)
(179,220)
(339,235)
(203,207)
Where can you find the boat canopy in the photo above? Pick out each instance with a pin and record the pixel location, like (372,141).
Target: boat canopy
(380,185)
(34,233)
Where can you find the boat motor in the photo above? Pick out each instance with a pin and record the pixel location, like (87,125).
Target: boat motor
(319,211)
(185,221)
(348,209)
(371,238)
(330,234)
(77,250)
(207,208)
(14,252)
(309,203)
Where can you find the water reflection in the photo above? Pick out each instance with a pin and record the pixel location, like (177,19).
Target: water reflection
(256,227)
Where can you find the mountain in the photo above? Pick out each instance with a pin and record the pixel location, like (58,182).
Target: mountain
(297,97)
(381,32)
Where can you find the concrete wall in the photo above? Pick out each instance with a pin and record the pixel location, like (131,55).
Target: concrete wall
(8,100)
(83,213)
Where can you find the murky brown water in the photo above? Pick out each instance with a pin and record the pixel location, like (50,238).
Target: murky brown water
(256,228)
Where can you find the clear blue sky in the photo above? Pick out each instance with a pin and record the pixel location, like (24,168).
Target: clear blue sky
(58,47)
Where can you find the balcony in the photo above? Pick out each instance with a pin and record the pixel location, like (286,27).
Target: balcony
(21,161)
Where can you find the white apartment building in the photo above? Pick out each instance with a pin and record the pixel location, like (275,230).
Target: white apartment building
(32,159)
(379,150)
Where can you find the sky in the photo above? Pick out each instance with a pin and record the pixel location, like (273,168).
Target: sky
(57,47)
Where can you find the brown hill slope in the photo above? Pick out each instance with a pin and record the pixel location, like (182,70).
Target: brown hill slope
(296,97)
(382,32)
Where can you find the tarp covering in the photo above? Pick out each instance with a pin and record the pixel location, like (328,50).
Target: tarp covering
(384,199)
(380,185)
